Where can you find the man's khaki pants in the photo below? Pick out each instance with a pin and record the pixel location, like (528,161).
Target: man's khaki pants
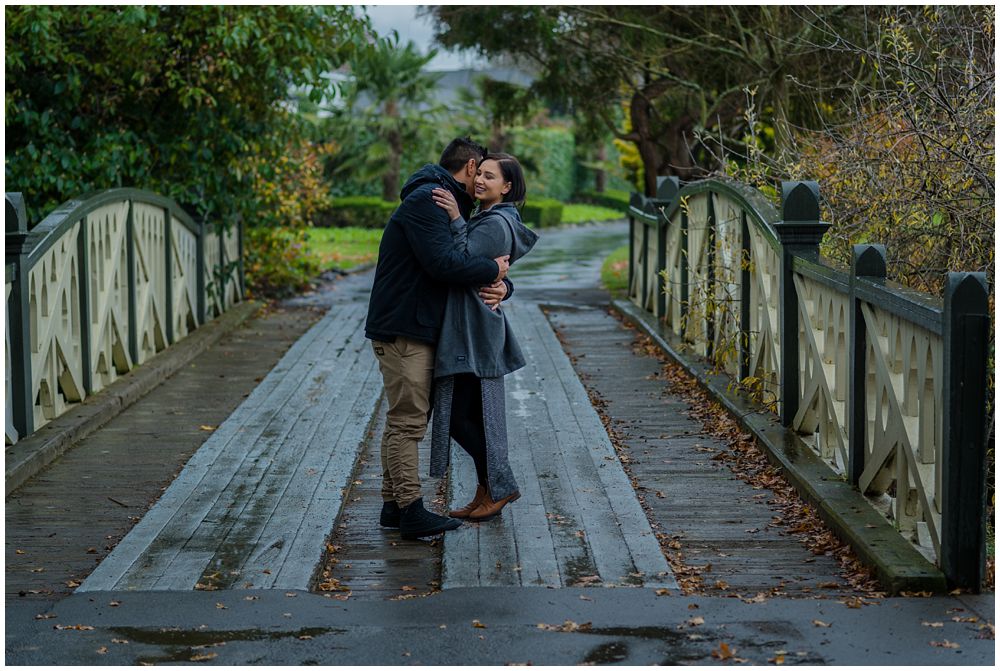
(407,372)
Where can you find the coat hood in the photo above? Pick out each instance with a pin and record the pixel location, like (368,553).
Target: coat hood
(435,175)
(524,238)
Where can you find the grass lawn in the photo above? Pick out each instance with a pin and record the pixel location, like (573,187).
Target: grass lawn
(578,213)
(345,248)
(614,272)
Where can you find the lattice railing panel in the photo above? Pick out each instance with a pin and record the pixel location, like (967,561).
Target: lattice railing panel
(903,394)
(213,279)
(184,277)
(699,281)
(107,257)
(728,270)
(55,327)
(231,245)
(824,334)
(150,279)
(765,333)
(673,278)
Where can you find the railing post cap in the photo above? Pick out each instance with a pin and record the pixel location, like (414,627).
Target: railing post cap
(15,212)
(966,293)
(667,187)
(800,202)
(868,260)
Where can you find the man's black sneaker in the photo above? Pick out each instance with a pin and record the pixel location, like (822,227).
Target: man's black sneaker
(390,514)
(416,521)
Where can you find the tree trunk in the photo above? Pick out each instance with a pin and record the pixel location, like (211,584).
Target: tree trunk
(600,177)
(390,178)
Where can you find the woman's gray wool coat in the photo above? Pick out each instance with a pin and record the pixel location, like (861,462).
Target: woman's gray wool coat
(475,339)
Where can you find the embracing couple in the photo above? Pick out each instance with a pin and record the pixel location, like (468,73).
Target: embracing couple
(439,334)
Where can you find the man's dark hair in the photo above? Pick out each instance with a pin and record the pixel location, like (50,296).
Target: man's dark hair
(511,170)
(459,151)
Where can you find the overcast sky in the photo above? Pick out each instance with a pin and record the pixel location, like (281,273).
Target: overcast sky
(403,18)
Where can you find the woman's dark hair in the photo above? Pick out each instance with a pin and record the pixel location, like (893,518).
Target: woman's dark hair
(459,151)
(512,173)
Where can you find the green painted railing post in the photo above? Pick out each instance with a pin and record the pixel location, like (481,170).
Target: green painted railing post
(963,490)
(745,280)
(710,288)
(631,256)
(168,244)
(867,261)
(243,281)
(202,288)
(133,328)
(799,232)
(16,253)
(86,323)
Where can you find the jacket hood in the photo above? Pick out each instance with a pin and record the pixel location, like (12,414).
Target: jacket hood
(524,238)
(437,176)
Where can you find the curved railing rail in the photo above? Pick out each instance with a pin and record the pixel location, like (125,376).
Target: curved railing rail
(886,384)
(99,286)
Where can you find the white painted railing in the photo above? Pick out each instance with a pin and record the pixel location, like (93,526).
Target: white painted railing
(885,384)
(98,287)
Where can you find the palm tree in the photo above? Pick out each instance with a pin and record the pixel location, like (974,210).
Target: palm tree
(395,95)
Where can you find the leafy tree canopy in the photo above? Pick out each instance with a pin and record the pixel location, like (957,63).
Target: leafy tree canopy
(175,99)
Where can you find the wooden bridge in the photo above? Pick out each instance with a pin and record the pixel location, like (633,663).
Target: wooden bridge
(885,388)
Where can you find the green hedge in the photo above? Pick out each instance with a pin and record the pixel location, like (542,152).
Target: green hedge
(542,212)
(360,211)
(612,198)
(547,156)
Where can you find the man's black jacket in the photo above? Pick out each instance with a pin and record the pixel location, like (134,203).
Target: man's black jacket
(417,261)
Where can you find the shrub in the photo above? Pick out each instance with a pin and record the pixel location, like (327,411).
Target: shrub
(277,261)
(358,211)
(547,155)
(610,198)
(542,212)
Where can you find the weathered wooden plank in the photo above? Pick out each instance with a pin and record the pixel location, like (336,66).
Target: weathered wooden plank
(623,544)
(282,487)
(316,520)
(460,561)
(220,457)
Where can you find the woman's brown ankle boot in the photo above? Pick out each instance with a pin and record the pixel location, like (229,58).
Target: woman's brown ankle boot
(490,508)
(464,512)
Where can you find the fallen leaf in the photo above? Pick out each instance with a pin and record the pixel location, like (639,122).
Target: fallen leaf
(206,427)
(777,659)
(660,592)
(587,598)
(696,621)
(20,552)
(721,584)
(119,641)
(221,606)
(305,637)
(936,625)
(76,627)
(45,616)
(251,598)
(478,625)
(205,657)
(970,618)
(724,652)
(821,623)
(39,570)
(945,644)
(408,588)
(103,650)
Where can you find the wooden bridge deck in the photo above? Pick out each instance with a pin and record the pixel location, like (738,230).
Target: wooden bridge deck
(255,506)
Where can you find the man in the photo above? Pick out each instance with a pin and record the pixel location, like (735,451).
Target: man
(416,263)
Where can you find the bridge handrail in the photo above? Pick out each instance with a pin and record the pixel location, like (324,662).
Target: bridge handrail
(741,281)
(102,283)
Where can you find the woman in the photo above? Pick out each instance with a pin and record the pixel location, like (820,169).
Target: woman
(477,347)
